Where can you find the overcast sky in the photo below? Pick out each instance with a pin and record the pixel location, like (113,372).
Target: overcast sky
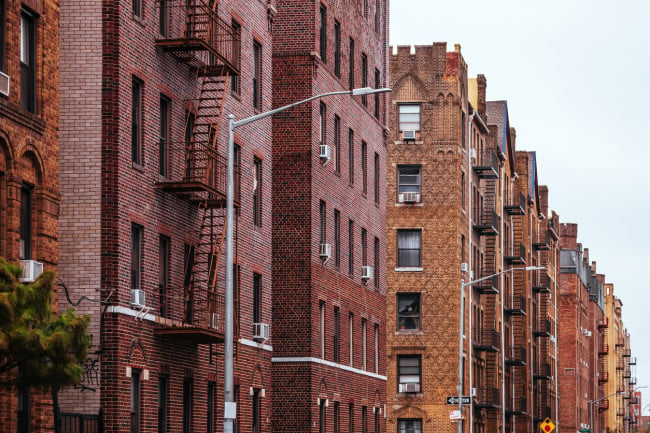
(575,74)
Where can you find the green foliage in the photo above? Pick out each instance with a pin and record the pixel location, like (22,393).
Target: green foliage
(38,347)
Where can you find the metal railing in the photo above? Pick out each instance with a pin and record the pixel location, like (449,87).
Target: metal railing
(80,423)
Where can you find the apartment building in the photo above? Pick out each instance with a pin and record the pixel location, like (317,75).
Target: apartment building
(583,374)
(329,218)
(146,87)
(29,167)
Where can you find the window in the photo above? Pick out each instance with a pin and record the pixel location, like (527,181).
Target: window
(337,49)
(163,272)
(321,328)
(136,256)
(351,156)
(364,8)
(350,418)
(337,417)
(323,33)
(212,388)
(188,295)
(337,238)
(163,19)
(376,348)
(351,340)
(235,424)
(364,247)
(364,77)
(351,248)
(257,75)
(27,62)
(257,412)
(136,121)
(377,267)
(364,419)
(136,8)
(409,426)
(337,144)
(257,192)
(351,60)
(377,425)
(322,416)
(409,178)
(235,82)
(462,190)
(409,117)
(188,390)
(377,168)
(323,223)
(24,413)
(135,400)
(257,298)
(408,373)
(163,403)
(322,120)
(377,17)
(165,120)
(364,167)
(364,344)
(408,248)
(337,331)
(408,311)
(377,96)
(3,24)
(26,221)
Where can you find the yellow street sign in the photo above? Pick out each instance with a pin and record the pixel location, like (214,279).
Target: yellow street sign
(547,426)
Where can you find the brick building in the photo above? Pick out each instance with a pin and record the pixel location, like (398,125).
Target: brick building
(328,218)
(29,166)
(583,374)
(145,88)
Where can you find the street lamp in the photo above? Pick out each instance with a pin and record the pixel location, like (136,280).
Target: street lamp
(592,402)
(230,407)
(463,285)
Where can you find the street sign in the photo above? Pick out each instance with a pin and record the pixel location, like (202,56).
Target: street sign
(455,415)
(454,400)
(547,426)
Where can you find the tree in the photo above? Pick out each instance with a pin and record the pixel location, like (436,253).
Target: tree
(38,347)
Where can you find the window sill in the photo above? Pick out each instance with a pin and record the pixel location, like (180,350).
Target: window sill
(409,269)
(137,166)
(409,142)
(138,19)
(411,394)
(409,332)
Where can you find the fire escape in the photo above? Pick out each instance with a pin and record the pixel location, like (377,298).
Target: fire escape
(514,255)
(197,172)
(487,341)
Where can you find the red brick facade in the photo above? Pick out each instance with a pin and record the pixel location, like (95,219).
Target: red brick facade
(320,376)
(29,163)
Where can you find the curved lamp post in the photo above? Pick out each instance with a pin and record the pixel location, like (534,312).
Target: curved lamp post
(593,402)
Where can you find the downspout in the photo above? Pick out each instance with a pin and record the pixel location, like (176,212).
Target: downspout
(557,405)
(501,285)
(472,277)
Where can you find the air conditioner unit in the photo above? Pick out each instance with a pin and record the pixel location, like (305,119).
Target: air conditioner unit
(325,152)
(4,83)
(472,153)
(214,321)
(325,251)
(409,387)
(473,392)
(409,197)
(261,331)
(409,134)
(464,267)
(137,297)
(31,270)
(366,272)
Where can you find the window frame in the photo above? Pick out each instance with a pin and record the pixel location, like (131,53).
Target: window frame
(27,218)
(165,113)
(257,75)
(402,185)
(188,398)
(3,26)
(337,238)
(377,177)
(337,49)
(364,167)
(403,428)
(257,298)
(351,65)
(364,344)
(137,99)
(364,77)
(136,400)
(401,373)
(403,319)
(210,402)
(402,123)
(137,238)
(256,411)
(321,329)
(163,403)
(235,79)
(323,33)
(337,334)
(351,156)
(351,248)
(28,80)
(337,144)
(257,192)
(164,248)
(402,265)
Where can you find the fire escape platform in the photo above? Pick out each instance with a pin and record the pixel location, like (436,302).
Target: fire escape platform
(193,334)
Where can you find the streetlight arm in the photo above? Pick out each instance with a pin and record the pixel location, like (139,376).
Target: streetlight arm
(353,92)
(527,268)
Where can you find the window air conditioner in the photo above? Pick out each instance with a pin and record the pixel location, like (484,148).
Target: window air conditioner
(409,387)
(366,272)
(4,83)
(261,331)
(325,152)
(409,134)
(464,267)
(137,297)
(409,197)
(214,321)
(31,270)
(325,251)
(472,153)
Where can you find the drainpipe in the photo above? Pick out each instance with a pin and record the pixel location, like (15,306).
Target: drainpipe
(471,290)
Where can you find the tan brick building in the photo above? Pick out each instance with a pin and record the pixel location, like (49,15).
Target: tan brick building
(29,146)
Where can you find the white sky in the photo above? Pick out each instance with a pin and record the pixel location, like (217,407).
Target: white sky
(574,74)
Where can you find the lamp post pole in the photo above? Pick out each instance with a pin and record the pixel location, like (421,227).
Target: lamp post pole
(593,402)
(230,407)
(463,286)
